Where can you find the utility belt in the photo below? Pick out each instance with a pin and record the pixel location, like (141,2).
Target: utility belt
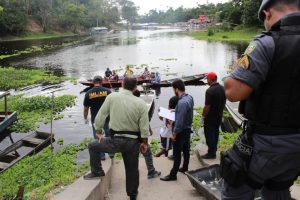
(125,134)
(234,165)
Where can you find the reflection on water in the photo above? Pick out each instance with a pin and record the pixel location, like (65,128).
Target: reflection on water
(154,48)
(169,52)
(10,47)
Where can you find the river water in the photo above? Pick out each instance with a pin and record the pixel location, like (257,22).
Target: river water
(168,51)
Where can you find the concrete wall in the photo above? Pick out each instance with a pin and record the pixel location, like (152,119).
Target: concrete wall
(89,189)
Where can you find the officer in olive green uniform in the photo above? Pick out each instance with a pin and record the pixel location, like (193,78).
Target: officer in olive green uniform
(129,128)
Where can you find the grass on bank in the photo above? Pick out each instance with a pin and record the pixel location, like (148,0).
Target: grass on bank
(34,110)
(13,78)
(36,36)
(41,173)
(239,34)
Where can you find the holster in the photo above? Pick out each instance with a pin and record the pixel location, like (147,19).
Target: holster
(232,168)
(235,161)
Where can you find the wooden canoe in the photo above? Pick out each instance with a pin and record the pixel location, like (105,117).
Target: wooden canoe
(6,119)
(188,80)
(29,145)
(115,84)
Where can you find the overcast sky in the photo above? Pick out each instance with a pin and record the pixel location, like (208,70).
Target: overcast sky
(146,5)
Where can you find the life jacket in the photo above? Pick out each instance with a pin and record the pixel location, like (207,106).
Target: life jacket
(276,103)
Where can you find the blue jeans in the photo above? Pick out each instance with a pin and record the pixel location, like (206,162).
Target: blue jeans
(107,134)
(212,137)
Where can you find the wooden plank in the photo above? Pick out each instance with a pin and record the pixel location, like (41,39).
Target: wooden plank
(35,141)
(3,165)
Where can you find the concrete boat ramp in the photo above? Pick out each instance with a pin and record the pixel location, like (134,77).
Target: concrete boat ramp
(112,186)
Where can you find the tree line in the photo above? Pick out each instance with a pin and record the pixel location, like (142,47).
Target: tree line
(68,15)
(235,12)
(75,15)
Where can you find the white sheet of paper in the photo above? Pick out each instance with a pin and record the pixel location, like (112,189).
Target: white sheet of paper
(166,113)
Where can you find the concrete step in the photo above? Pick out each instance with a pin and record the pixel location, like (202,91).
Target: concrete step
(202,150)
(88,189)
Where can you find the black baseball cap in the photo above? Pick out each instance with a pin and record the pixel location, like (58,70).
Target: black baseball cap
(97,79)
(264,5)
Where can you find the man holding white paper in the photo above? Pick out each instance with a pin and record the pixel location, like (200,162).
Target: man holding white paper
(182,130)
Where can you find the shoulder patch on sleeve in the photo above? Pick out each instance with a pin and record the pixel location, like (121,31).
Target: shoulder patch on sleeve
(243,62)
(260,35)
(250,48)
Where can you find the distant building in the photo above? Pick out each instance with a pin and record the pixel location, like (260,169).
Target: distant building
(201,22)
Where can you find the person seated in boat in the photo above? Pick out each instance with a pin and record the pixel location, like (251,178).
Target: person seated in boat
(146,74)
(128,72)
(108,74)
(114,76)
(156,79)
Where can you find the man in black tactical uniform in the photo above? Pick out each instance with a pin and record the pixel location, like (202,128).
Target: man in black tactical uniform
(267,82)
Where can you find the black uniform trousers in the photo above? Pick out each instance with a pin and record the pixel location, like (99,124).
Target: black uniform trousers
(182,144)
(130,152)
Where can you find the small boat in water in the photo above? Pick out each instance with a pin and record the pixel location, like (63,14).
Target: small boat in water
(98,31)
(29,145)
(102,33)
(116,84)
(188,80)
(6,117)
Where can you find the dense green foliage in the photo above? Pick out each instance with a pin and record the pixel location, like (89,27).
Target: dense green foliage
(170,16)
(154,145)
(236,12)
(227,140)
(13,78)
(128,10)
(74,15)
(194,142)
(43,172)
(36,109)
(77,15)
(197,123)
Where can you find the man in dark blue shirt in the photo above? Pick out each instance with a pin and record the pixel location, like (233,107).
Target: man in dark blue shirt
(212,114)
(93,100)
(182,130)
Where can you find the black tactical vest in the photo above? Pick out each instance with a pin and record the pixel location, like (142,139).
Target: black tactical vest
(276,103)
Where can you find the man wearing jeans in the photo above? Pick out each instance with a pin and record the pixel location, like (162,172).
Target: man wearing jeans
(182,130)
(129,125)
(212,114)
